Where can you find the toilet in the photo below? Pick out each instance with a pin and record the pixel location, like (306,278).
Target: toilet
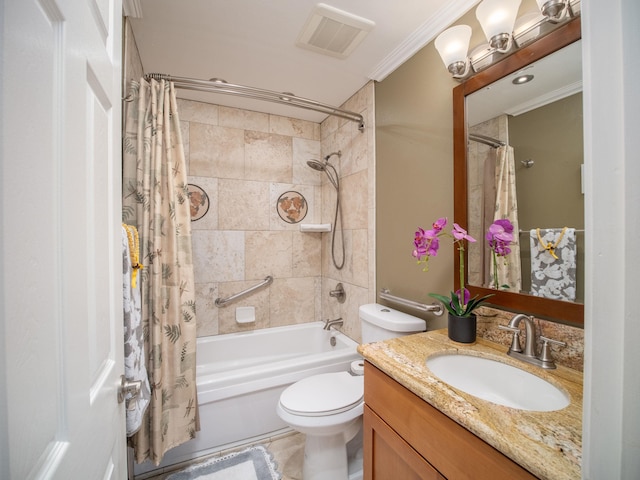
(328,407)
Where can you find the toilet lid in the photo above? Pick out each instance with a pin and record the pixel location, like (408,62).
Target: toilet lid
(324,394)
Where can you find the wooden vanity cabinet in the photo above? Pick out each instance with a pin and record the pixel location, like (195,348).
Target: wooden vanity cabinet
(406,438)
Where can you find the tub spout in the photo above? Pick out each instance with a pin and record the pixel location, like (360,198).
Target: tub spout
(332,323)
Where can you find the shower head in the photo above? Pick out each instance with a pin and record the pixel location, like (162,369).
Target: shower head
(322,167)
(317,165)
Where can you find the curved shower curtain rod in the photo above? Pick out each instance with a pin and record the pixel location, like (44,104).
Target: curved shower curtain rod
(221,86)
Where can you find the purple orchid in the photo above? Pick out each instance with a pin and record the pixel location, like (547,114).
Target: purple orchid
(427,243)
(460,233)
(500,236)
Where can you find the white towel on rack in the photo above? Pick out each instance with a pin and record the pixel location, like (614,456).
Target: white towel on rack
(553,277)
(134,358)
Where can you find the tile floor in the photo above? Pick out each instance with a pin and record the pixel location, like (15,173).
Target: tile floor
(287,451)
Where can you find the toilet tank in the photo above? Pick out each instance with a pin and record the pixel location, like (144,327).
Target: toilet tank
(381,323)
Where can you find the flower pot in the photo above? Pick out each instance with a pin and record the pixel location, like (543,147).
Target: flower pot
(462,329)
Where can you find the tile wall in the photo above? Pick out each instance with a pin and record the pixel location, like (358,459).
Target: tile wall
(245,161)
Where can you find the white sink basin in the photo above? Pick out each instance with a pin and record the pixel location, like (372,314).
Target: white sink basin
(497,382)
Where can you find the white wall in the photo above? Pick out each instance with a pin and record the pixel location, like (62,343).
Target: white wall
(611,429)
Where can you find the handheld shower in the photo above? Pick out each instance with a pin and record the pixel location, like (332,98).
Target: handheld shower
(332,175)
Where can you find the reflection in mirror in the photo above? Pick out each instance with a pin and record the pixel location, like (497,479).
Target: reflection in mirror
(542,188)
(524,163)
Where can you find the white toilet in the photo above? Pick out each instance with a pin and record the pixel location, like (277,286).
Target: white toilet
(328,407)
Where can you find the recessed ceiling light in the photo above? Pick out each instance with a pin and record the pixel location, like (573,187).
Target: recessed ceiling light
(522,79)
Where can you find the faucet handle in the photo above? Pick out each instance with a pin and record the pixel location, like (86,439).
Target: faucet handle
(552,341)
(515,341)
(545,355)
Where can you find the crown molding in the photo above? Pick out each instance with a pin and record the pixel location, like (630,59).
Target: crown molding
(422,36)
(132,8)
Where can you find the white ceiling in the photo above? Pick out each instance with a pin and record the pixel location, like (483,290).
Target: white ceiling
(253,43)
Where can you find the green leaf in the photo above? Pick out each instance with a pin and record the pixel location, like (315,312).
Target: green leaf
(446,301)
(173,332)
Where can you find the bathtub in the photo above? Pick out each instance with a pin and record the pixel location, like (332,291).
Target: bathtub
(240,377)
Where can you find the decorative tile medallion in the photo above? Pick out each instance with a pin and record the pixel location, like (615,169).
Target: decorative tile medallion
(292,207)
(198,202)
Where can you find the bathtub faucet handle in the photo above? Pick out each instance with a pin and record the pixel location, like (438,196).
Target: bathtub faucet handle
(331,323)
(338,293)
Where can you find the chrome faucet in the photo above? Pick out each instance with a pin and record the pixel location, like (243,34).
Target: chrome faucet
(332,323)
(530,355)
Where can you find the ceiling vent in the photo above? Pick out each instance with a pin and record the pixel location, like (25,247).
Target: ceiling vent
(333,32)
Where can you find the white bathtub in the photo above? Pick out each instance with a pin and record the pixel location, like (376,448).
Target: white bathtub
(240,377)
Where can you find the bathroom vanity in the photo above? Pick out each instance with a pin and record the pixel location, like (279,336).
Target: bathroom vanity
(418,427)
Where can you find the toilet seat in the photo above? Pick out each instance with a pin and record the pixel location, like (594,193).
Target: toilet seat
(323,394)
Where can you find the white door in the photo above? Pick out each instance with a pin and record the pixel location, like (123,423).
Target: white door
(61,285)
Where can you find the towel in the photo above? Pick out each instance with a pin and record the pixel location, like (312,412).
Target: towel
(134,359)
(553,263)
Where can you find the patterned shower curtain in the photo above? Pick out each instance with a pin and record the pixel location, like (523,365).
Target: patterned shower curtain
(509,271)
(155,200)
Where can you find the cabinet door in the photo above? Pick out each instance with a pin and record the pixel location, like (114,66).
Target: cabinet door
(389,457)
(451,449)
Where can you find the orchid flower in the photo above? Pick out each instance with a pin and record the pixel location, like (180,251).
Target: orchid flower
(500,237)
(427,243)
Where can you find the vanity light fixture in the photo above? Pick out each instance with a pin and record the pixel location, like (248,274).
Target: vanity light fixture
(453,45)
(497,19)
(555,10)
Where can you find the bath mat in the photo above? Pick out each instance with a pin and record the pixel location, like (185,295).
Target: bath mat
(254,463)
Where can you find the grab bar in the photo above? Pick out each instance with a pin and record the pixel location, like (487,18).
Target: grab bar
(221,302)
(435,308)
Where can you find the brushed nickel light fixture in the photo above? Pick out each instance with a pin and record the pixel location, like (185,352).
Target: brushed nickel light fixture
(503,31)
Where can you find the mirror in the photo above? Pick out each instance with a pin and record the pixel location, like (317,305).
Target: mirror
(534,199)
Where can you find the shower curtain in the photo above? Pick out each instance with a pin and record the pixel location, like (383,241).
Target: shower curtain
(155,200)
(509,271)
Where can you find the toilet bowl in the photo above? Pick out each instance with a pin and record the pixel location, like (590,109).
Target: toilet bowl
(328,407)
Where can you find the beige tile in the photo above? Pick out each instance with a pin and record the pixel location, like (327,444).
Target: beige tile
(306,254)
(360,257)
(206,311)
(216,151)
(303,151)
(355,201)
(359,151)
(293,127)
(244,119)
(243,205)
(268,253)
(191,111)
(268,157)
(292,301)
(218,256)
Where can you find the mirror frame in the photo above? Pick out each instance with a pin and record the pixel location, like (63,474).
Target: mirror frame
(556,310)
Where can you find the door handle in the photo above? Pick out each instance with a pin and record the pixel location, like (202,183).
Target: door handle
(128,387)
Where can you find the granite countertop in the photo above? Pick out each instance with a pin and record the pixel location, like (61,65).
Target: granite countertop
(548,444)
